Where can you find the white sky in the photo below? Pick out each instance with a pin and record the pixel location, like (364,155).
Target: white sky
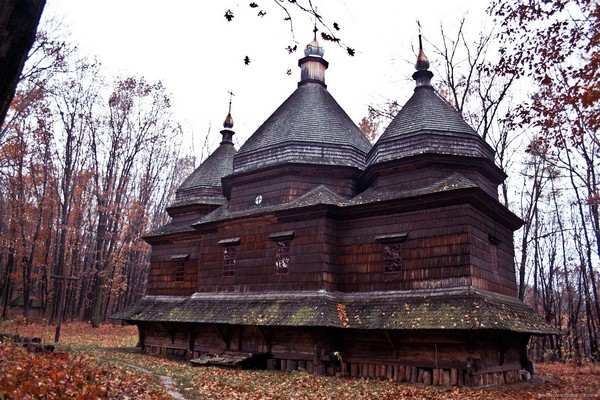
(198,55)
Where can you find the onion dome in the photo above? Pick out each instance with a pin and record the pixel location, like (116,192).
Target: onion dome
(422,63)
(314,49)
(228,123)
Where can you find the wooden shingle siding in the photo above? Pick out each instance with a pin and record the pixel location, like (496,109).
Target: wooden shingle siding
(283,189)
(255,268)
(161,278)
(411,177)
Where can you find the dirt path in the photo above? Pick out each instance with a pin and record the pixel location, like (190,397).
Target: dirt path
(169,385)
(166,381)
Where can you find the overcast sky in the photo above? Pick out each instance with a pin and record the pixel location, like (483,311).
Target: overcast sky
(198,54)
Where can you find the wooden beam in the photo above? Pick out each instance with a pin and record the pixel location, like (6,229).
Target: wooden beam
(391,342)
(169,331)
(264,338)
(223,332)
(191,340)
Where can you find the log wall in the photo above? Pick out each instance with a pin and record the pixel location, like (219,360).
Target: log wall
(427,357)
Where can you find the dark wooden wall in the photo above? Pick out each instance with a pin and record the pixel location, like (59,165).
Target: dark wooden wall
(161,278)
(282,188)
(444,247)
(407,179)
(461,358)
(310,256)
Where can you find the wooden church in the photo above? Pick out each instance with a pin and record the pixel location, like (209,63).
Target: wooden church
(309,248)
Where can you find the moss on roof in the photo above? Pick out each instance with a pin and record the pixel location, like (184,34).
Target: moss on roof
(456,309)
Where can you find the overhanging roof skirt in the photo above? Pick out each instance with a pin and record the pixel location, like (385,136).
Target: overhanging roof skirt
(452,309)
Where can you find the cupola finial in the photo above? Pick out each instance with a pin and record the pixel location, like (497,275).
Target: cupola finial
(228,124)
(313,65)
(227,133)
(422,60)
(423,75)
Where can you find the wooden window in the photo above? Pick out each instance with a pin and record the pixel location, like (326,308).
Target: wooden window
(179,266)
(392,258)
(282,256)
(392,251)
(179,271)
(229,255)
(229,260)
(283,241)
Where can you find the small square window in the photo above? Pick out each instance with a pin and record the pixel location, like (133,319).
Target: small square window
(229,260)
(282,256)
(179,271)
(392,258)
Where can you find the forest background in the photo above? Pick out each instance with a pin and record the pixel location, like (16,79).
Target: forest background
(89,161)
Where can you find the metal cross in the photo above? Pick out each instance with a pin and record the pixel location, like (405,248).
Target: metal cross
(231,94)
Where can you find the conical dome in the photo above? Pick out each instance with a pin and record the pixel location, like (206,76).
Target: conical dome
(309,127)
(427,124)
(204,184)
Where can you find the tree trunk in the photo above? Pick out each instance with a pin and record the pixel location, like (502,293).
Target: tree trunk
(18,25)
(5,298)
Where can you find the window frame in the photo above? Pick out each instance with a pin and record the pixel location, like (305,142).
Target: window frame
(391,252)
(180,271)
(229,255)
(494,242)
(179,266)
(282,256)
(229,260)
(392,258)
(282,251)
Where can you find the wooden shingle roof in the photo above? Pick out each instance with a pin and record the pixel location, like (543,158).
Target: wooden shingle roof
(451,309)
(425,125)
(309,127)
(205,181)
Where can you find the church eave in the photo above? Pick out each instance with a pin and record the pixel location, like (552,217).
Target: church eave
(462,308)
(384,203)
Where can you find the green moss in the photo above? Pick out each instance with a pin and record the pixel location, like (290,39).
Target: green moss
(181,314)
(303,315)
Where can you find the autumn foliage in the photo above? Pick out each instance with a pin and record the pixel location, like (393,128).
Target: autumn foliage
(26,375)
(103,363)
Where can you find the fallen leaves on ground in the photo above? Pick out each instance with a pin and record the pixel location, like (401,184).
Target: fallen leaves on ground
(119,361)
(27,375)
